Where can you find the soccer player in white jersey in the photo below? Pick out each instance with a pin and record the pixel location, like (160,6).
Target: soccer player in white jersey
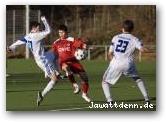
(35,43)
(121,53)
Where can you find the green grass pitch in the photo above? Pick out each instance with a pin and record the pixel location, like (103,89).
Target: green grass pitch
(26,79)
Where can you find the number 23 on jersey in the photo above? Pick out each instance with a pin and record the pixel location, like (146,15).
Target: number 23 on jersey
(121,46)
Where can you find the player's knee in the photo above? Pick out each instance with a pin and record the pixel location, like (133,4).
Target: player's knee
(65,67)
(54,77)
(136,78)
(104,82)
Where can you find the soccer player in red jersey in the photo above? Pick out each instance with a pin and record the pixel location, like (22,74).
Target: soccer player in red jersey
(65,47)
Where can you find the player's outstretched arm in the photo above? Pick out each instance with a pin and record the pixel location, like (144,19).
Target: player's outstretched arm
(14,45)
(44,33)
(8,49)
(145,49)
(46,25)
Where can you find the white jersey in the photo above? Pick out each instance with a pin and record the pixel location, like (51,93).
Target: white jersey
(124,45)
(35,43)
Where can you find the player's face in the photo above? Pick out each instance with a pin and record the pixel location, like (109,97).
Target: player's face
(62,34)
(35,29)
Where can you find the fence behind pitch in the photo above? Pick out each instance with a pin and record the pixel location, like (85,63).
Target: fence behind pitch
(95,52)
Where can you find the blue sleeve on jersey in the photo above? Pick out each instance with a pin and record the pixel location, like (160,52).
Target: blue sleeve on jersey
(23,39)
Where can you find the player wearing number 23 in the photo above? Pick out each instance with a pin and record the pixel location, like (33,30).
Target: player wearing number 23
(121,54)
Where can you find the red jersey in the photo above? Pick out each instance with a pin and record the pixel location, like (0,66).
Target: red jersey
(66,48)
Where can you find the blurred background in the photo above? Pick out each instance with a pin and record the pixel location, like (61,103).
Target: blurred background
(95,24)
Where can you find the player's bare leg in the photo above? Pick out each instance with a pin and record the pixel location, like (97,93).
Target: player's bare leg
(70,75)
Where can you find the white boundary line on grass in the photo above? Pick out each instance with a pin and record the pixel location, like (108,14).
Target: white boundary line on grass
(69,109)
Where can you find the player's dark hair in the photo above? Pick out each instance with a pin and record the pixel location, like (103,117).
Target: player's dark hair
(128,25)
(63,27)
(34,24)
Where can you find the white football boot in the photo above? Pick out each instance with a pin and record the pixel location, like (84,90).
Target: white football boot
(86,98)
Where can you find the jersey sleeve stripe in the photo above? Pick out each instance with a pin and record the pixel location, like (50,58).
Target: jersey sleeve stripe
(23,39)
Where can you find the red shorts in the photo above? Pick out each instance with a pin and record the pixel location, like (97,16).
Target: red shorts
(75,66)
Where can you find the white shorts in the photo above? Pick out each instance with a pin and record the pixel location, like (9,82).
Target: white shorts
(47,67)
(52,58)
(117,68)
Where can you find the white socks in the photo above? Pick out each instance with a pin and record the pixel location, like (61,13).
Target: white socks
(49,86)
(140,84)
(142,88)
(106,90)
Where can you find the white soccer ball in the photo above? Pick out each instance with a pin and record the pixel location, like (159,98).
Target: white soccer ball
(80,54)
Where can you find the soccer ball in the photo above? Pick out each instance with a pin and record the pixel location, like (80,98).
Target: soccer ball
(80,54)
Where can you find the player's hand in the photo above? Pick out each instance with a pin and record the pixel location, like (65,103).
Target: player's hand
(84,46)
(43,18)
(8,49)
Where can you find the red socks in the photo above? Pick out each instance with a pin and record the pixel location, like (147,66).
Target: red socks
(85,87)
